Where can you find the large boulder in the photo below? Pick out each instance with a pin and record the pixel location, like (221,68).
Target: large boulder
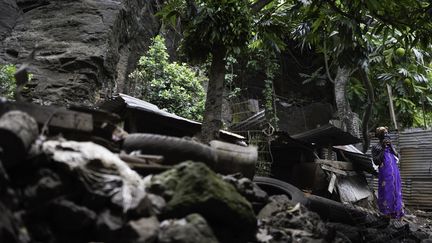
(192,187)
(85,48)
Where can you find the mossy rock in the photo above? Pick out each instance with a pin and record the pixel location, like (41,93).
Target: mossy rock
(192,187)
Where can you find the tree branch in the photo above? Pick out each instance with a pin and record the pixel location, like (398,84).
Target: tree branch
(260,4)
(326,64)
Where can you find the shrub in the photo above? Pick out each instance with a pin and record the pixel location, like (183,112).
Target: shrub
(170,85)
(7,80)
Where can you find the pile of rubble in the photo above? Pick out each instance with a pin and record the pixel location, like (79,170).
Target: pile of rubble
(55,189)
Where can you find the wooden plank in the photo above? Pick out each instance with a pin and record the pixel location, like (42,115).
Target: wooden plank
(338,171)
(342,165)
(332,183)
(57,117)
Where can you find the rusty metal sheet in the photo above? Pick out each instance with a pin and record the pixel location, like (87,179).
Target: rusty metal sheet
(353,188)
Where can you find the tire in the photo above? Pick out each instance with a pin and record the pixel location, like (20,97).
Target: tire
(173,149)
(348,214)
(276,187)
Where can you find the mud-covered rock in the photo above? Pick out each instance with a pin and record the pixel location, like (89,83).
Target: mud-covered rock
(192,187)
(150,205)
(47,186)
(144,230)
(282,221)
(191,229)
(109,225)
(11,228)
(70,217)
(247,188)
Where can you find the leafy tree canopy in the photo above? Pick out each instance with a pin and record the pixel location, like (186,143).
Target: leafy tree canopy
(172,86)
(210,24)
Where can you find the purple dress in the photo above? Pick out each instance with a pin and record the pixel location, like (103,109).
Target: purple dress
(389,186)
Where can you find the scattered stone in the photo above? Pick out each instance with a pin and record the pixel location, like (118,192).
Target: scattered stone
(45,188)
(150,205)
(192,229)
(11,229)
(108,226)
(251,191)
(67,216)
(285,222)
(192,187)
(144,230)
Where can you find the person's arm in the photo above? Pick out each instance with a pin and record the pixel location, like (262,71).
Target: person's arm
(378,154)
(393,149)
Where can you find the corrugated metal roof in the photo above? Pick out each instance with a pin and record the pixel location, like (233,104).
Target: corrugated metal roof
(252,123)
(134,103)
(125,101)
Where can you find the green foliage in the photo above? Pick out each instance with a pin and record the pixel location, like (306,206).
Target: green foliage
(390,40)
(7,80)
(172,86)
(407,74)
(211,24)
(230,76)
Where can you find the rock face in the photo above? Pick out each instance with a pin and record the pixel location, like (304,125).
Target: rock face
(85,48)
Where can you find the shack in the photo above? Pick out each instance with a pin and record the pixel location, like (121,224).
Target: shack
(140,116)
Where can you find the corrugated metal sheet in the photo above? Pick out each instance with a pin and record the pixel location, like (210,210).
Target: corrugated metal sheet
(134,103)
(326,135)
(252,123)
(416,166)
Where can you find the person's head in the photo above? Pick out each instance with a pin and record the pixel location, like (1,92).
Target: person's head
(380,132)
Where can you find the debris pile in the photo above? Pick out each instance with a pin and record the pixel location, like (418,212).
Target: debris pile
(57,185)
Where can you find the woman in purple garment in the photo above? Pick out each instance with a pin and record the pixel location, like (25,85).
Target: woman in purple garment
(389,184)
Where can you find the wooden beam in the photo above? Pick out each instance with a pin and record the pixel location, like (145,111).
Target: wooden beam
(342,165)
(338,171)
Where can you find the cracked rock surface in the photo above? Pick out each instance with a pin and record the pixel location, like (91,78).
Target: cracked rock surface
(85,49)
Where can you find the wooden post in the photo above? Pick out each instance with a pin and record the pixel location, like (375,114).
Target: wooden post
(392,112)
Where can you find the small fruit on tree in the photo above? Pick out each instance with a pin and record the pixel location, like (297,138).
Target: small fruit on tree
(400,52)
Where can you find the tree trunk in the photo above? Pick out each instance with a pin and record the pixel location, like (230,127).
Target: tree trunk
(392,112)
(371,99)
(349,119)
(212,121)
